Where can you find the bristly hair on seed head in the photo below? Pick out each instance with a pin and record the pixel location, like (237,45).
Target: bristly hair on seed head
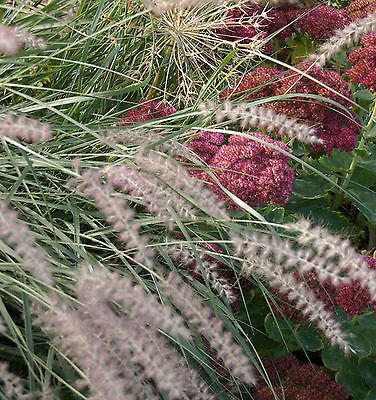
(189,36)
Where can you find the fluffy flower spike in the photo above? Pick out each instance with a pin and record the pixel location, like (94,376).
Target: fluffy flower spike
(344,38)
(28,129)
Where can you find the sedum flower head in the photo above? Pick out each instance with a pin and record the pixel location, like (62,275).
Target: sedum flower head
(205,145)
(354,298)
(363,61)
(295,381)
(259,83)
(321,22)
(146,111)
(335,128)
(254,172)
(361,8)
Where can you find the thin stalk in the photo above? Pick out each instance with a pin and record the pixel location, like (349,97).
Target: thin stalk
(159,74)
(30,343)
(354,162)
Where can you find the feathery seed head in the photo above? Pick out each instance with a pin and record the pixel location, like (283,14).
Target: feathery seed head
(10,42)
(344,38)
(28,129)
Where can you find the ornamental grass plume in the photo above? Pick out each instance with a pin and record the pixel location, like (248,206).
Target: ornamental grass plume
(363,61)
(24,128)
(105,374)
(333,256)
(130,136)
(30,40)
(335,127)
(274,259)
(17,234)
(152,192)
(294,380)
(220,277)
(144,138)
(252,171)
(343,38)
(117,214)
(177,177)
(116,336)
(201,316)
(324,291)
(10,42)
(11,385)
(262,118)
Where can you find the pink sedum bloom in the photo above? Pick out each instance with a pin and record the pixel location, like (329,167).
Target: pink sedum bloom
(336,128)
(205,145)
(363,60)
(321,22)
(146,111)
(353,298)
(361,8)
(252,171)
(293,380)
(261,82)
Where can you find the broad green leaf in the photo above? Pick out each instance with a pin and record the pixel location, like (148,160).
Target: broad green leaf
(367,370)
(308,338)
(277,329)
(365,201)
(332,357)
(352,383)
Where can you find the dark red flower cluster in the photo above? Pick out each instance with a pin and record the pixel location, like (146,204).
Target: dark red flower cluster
(146,111)
(361,8)
(353,298)
(321,22)
(292,380)
(261,82)
(336,129)
(363,60)
(205,145)
(254,172)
